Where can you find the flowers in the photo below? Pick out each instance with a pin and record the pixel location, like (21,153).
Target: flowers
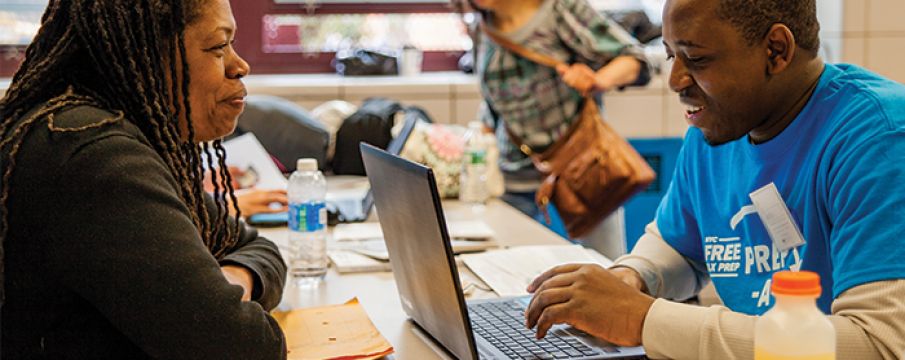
(445,144)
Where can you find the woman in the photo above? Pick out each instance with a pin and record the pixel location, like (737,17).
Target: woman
(111,249)
(537,103)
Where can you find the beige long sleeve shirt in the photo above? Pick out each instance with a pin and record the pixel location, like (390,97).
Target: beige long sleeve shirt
(869,318)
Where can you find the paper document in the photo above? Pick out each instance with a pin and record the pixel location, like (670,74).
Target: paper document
(508,272)
(377,249)
(341,187)
(371,230)
(247,154)
(349,261)
(332,332)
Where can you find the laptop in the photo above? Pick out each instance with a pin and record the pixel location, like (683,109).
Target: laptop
(411,217)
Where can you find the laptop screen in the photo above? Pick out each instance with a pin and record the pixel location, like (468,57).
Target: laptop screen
(414,228)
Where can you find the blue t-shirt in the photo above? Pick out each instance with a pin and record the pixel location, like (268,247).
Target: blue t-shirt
(839,167)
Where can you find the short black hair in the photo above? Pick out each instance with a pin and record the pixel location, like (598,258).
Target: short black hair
(753,18)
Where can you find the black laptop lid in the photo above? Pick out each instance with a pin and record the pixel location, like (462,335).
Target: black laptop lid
(346,212)
(411,217)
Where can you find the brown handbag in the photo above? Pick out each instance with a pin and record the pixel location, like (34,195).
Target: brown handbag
(590,170)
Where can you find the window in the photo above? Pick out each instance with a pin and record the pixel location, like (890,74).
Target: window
(19,22)
(295,33)
(296,36)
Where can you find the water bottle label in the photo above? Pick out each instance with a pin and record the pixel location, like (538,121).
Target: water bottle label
(477,157)
(307,217)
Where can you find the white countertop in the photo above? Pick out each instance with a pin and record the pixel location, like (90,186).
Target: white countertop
(427,79)
(296,80)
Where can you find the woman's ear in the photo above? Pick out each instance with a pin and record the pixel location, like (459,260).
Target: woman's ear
(780,47)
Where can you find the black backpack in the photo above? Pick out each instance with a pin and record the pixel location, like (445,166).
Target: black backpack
(286,130)
(372,123)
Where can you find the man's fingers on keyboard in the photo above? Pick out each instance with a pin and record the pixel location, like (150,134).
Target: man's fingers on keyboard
(552,315)
(543,300)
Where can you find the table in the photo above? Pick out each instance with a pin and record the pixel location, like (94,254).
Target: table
(377,291)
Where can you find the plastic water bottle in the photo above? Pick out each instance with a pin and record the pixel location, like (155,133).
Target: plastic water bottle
(473,179)
(307,223)
(794,329)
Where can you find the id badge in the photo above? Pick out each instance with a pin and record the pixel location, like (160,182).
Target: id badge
(776,217)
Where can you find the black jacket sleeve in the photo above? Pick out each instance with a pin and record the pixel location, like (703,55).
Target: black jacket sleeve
(133,253)
(263,258)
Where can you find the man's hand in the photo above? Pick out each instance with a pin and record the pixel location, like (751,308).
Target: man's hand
(241,276)
(630,277)
(259,201)
(591,299)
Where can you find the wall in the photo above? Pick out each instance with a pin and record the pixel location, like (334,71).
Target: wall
(449,97)
(872,33)
(863,32)
(869,33)
(651,111)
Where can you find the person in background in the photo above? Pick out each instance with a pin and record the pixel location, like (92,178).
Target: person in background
(539,103)
(111,248)
(249,199)
(765,110)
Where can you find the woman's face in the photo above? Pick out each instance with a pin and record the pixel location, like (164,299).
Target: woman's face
(216,92)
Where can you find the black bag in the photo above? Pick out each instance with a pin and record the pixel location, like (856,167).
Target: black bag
(372,123)
(364,62)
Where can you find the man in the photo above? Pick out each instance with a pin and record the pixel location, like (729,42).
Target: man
(764,110)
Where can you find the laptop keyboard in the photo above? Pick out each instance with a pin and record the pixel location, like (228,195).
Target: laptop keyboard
(503,325)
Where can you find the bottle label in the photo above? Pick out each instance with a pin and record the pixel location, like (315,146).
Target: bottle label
(476,157)
(307,217)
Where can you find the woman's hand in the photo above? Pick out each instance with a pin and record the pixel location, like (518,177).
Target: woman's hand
(580,77)
(241,276)
(621,71)
(210,177)
(262,201)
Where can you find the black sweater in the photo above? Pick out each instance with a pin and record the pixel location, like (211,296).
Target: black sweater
(102,259)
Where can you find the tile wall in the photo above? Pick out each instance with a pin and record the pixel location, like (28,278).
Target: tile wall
(872,33)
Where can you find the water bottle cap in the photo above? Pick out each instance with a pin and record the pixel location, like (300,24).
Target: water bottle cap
(800,283)
(306,164)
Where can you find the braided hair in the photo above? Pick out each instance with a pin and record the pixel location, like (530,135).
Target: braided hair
(117,55)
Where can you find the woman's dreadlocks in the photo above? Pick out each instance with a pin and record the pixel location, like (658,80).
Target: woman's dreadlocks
(117,55)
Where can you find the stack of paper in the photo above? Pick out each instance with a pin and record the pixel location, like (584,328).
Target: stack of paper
(473,230)
(508,272)
(348,261)
(332,332)
(247,153)
(360,247)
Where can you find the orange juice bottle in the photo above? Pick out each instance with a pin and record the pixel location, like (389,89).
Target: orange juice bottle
(794,328)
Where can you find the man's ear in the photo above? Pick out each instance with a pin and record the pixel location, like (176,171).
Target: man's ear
(780,46)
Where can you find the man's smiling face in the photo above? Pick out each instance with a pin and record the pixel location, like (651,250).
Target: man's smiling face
(718,75)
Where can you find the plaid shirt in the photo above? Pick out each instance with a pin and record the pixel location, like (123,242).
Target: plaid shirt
(532,99)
